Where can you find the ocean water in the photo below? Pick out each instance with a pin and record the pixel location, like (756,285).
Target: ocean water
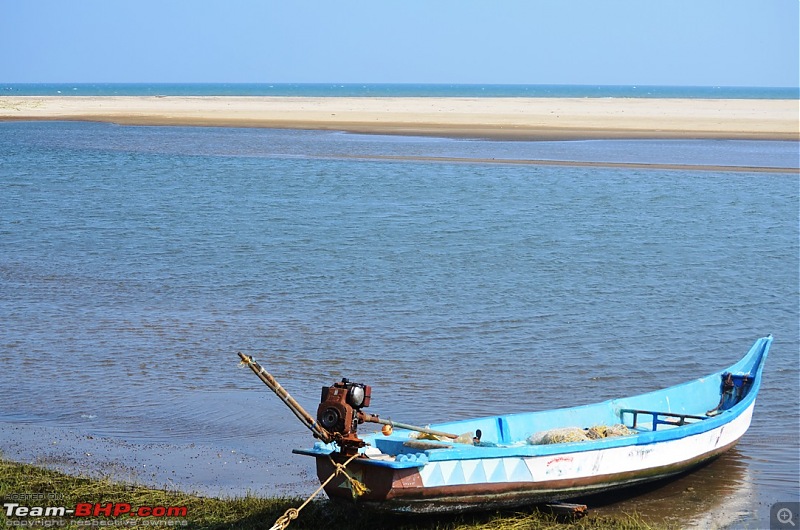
(136,262)
(393,90)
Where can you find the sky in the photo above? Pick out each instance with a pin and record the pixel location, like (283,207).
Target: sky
(582,42)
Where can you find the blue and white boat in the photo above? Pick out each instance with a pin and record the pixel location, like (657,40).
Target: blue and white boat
(665,433)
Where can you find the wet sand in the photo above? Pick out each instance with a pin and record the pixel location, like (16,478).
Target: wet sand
(206,469)
(495,118)
(578,163)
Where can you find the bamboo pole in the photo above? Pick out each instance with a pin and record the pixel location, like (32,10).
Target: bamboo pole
(290,402)
(371,418)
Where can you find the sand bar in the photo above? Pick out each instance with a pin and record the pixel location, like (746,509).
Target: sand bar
(499,118)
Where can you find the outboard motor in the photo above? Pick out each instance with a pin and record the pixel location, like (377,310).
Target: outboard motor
(338,412)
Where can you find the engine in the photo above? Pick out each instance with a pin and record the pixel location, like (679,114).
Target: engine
(338,412)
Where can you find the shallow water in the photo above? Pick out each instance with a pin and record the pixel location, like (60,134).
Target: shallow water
(136,261)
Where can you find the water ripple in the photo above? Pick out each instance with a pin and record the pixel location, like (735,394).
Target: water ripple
(137,261)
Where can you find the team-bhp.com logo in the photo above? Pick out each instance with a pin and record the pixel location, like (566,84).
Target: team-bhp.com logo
(22,514)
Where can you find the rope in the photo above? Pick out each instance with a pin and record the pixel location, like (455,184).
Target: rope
(292,513)
(357,488)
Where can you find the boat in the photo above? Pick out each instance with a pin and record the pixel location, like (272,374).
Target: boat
(514,460)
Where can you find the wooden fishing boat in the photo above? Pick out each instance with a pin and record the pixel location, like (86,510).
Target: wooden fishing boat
(507,460)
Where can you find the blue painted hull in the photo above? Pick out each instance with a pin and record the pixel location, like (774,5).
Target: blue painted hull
(670,431)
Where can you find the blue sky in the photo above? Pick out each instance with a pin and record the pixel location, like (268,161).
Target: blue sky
(596,42)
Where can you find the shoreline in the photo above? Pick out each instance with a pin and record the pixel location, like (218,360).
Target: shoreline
(40,497)
(529,119)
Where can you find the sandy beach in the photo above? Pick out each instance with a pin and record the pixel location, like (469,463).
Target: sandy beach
(498,118)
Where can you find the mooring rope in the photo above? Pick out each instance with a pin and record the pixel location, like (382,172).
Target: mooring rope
(357,488)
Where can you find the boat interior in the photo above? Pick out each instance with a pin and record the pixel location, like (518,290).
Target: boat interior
(647,414)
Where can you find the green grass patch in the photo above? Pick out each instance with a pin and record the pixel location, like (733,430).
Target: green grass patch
(31,486)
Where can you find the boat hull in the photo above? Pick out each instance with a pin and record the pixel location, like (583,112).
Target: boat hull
(484,484)
(664,433)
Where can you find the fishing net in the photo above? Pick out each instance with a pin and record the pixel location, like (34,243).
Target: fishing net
(558,436)
(576,434)
(619,430)
(607,431)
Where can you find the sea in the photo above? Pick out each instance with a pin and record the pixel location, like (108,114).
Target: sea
(395,90)
(135,262)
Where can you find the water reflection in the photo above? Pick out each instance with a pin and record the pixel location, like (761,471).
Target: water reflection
(716,495)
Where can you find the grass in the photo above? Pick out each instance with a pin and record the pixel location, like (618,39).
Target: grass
(34,486)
